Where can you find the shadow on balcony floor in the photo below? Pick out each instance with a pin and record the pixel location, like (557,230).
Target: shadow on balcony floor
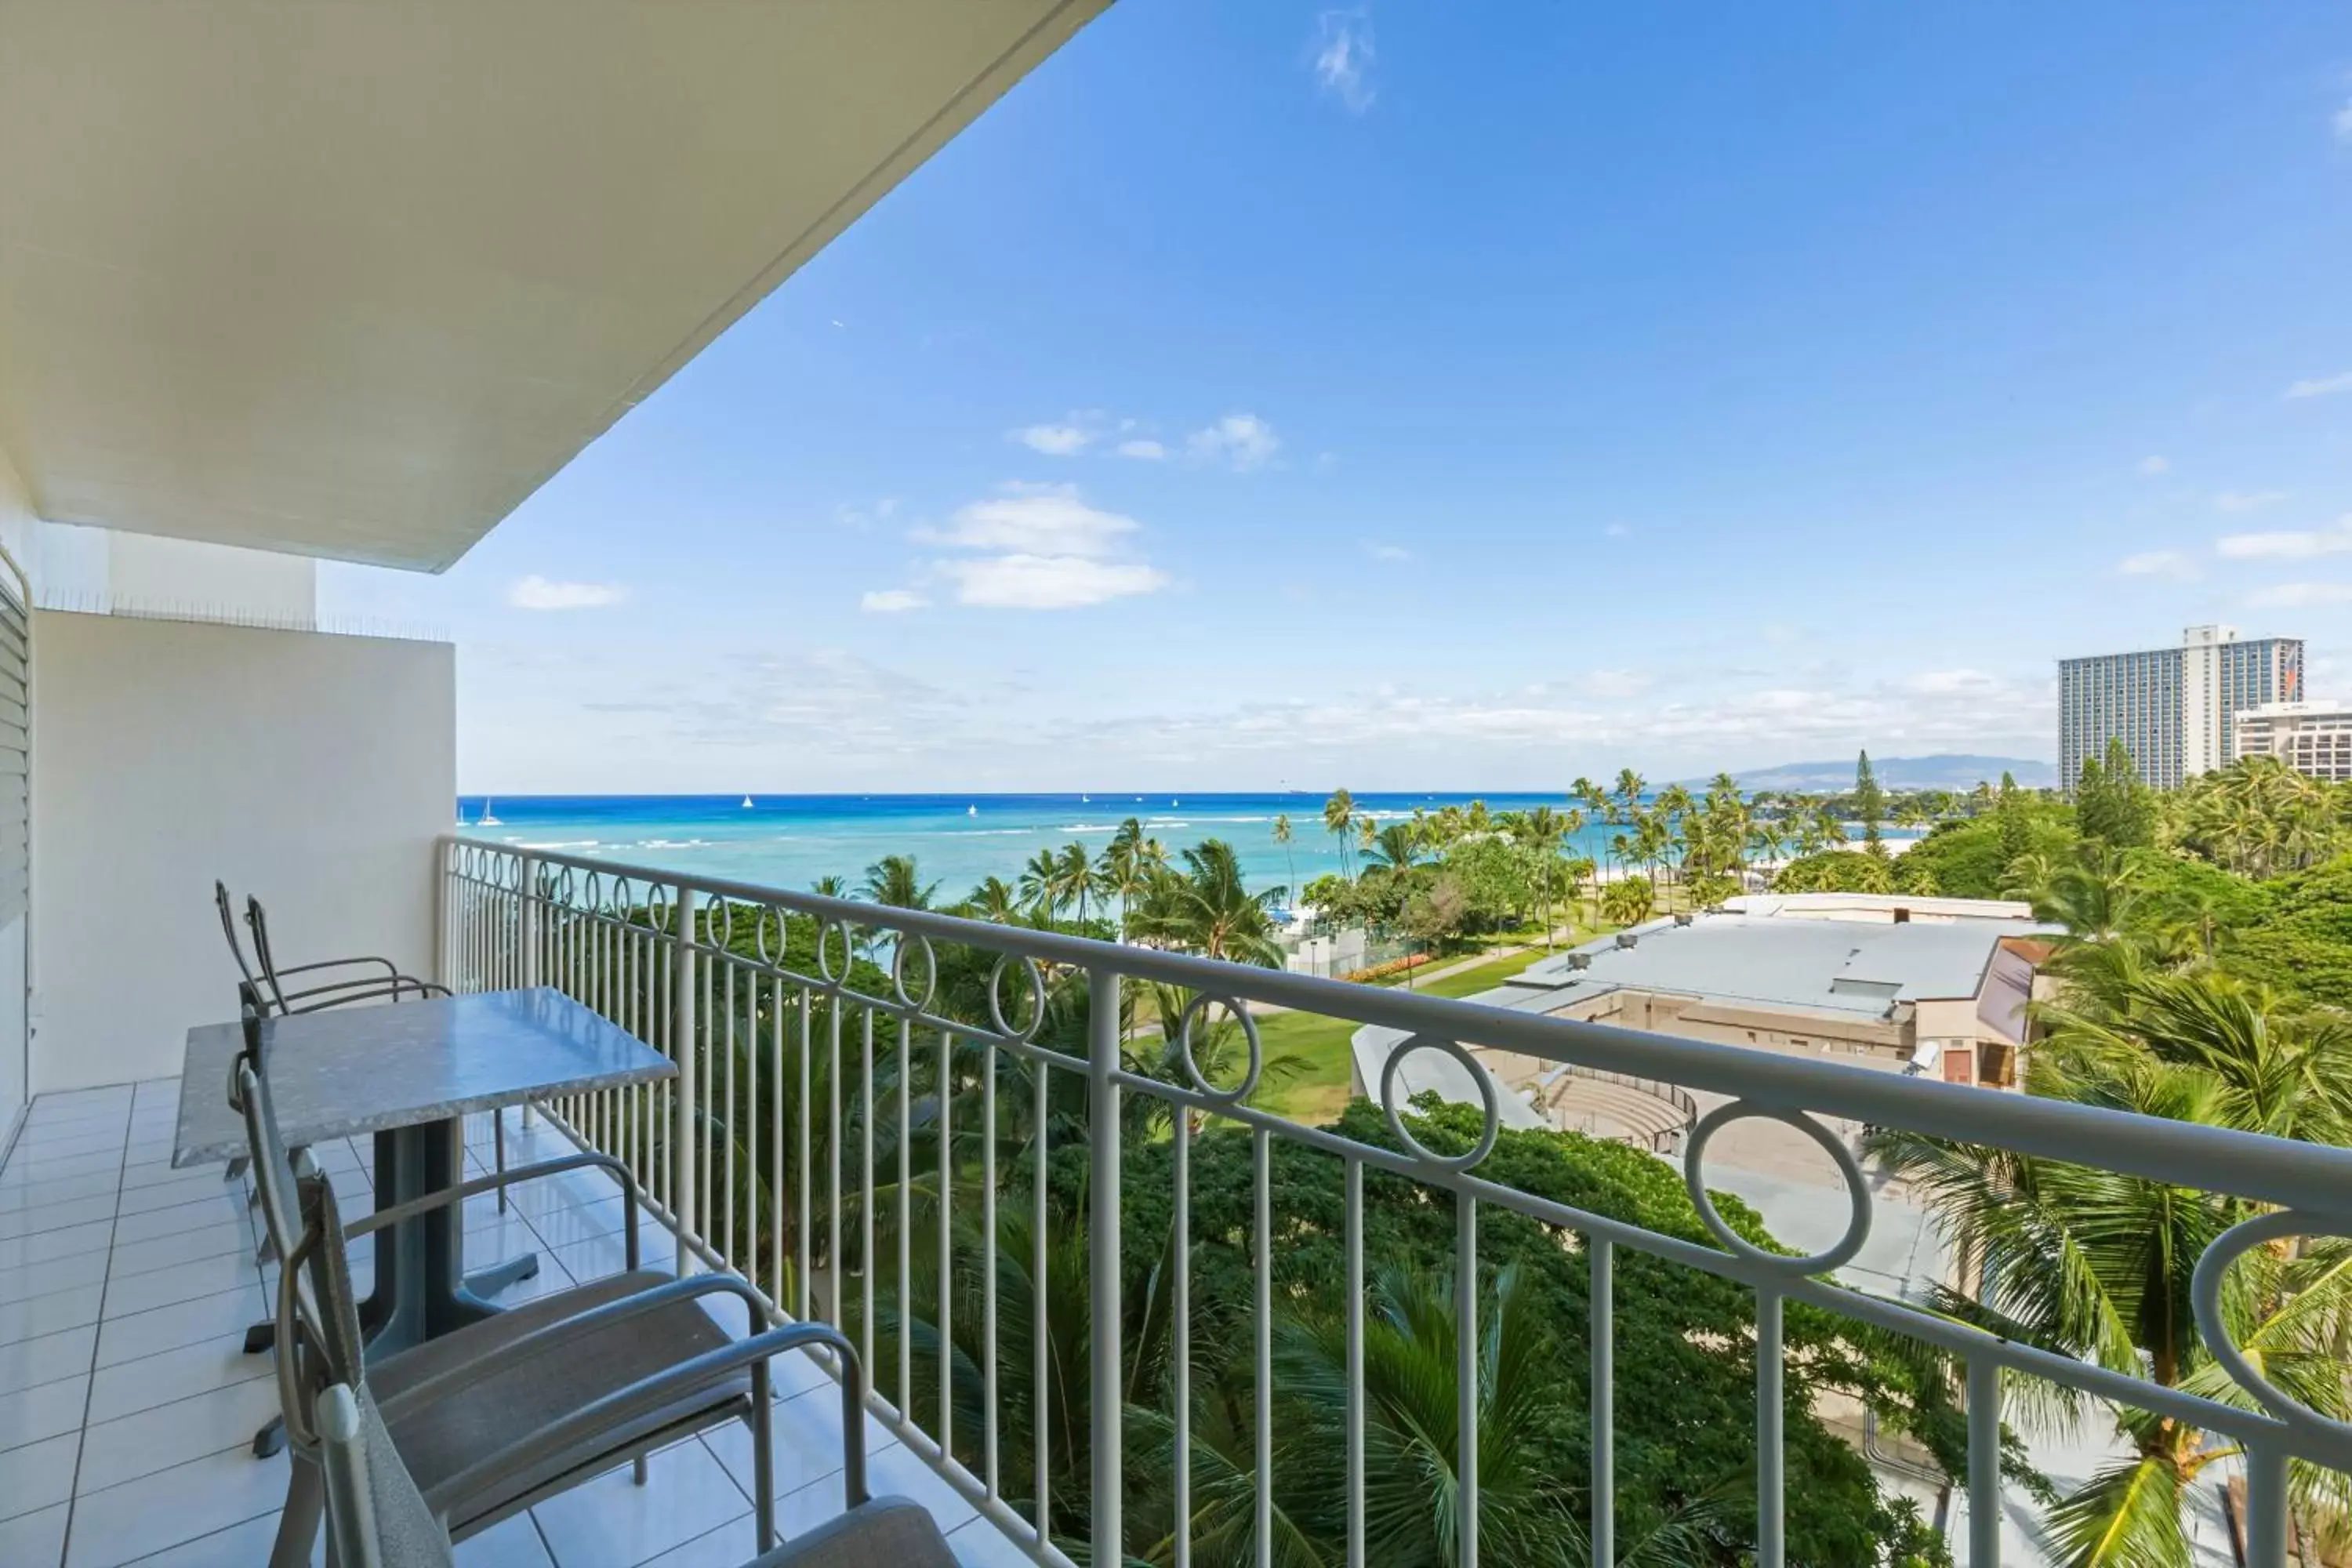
(127,1404)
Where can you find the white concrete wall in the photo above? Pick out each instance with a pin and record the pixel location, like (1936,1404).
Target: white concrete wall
(17,526)
(312,771)
(104,570)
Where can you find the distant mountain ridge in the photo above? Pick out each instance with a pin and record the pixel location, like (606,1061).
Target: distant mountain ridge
(1952,771)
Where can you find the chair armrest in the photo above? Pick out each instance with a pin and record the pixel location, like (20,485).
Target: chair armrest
(508,1177)
(652,1393)
(390,969)
(367,990)
(554,1336)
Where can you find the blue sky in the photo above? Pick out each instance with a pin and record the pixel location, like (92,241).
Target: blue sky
(1430,396)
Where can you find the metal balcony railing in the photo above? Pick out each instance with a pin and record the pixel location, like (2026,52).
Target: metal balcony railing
(836,1116)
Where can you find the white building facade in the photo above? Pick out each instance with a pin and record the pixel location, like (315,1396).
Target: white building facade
(2174,709)
(2312,738)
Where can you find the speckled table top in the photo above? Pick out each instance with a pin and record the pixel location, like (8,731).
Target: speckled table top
(363,1069)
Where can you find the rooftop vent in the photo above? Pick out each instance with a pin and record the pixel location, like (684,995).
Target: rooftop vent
(1626,939)
(1685,918)
(1579,960)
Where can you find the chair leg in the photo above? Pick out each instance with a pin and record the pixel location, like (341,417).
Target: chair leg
(298,1527)
(763,1455)
(498,1142)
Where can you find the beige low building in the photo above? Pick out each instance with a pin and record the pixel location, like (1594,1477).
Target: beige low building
(1940,996)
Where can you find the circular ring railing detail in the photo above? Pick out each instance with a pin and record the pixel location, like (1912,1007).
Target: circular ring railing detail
(825,970)
(2205,1300)
(1196,1009)
(908,942)
(1036,998)
(1857,1188)
(1487,1097)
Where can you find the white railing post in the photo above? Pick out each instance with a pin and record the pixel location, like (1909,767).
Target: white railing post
(527,924)
(685,1132)
(445,912)
(527,927)
(1103,1252)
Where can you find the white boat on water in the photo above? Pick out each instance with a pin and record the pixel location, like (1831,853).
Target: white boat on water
(972,811)
(746,803)
(485,819)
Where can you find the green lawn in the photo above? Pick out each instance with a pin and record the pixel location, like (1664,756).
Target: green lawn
(1319,1094)
(1482,977)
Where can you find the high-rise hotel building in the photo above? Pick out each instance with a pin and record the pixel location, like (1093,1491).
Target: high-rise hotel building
(2175,708)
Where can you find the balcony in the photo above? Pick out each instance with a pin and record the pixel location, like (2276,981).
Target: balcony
(857,1128)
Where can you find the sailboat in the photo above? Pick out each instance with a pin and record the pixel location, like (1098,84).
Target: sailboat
(972,811)
(746,803)
(485,819)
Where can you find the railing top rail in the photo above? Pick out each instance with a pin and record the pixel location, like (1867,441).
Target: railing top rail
(2306,1177)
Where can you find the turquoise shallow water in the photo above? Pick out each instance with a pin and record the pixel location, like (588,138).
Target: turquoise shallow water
(957,840)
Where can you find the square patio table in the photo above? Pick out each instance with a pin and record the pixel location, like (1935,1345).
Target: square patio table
(409,1073)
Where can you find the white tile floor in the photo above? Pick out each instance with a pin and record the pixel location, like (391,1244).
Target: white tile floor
(127,1404)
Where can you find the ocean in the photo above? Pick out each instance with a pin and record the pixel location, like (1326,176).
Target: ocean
(958,840)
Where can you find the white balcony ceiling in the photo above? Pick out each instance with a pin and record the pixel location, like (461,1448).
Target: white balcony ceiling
(352,280)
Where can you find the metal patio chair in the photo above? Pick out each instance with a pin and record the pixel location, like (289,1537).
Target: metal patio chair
(518,1407)
(382,981)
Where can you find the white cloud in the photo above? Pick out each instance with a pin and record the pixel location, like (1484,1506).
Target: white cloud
(537,593)
(1616,531)
(1619,683)
(2299,595)
(1244,441)
(892,601)
(2238,502)
(2288,546)
(1343,58)
(1380,552)
(1148,450)
(1035,520)
(2156,563)
(1040,547)
(2152,466)
(2343,122)
(1951,682)
(2326,386)
(1021,582)
(1065,440)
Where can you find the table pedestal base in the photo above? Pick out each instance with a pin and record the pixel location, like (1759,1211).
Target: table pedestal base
(420,1290)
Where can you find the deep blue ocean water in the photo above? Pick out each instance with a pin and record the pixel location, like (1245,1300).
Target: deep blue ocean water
(956,839)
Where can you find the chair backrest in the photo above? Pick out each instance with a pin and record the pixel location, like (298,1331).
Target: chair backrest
(274,1177)
(376,1515)
(258,921)
(229,929)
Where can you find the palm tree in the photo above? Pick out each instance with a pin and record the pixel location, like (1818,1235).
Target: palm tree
(1041,883)
(1282,835)
(2091,1264)
(1126,864)
(1207,909)
(1412,1487)
(1395,848)
(1628,900)
(1339,821)
(892,881)
(1074,876)
(2092,896)
(830,887)
(1631,786)
(1832,826)
(994,899)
